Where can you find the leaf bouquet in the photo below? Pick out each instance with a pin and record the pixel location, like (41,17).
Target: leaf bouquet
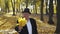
(22,22)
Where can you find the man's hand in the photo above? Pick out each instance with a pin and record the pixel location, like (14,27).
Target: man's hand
(20,28)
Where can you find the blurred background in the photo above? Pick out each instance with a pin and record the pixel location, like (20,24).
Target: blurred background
(43,11)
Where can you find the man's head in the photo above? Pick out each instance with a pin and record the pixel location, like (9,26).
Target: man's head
(26,13)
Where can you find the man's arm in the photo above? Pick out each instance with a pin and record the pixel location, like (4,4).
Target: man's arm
(18,28)
(35,27)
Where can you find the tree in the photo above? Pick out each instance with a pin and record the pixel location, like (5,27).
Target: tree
(13,6)
(42,1)
(46,7)
(51,13)
(58,18)
(6,6)
(26,3)
(17,5)
(0,2)
(35,6)
(2,5)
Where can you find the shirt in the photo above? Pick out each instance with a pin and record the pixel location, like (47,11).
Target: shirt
(29,27)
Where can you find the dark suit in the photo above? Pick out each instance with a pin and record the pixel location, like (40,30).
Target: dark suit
(25,31)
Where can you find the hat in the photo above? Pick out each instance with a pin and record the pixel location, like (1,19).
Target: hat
(26,10)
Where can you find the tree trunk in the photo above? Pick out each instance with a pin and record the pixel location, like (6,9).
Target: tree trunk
(26,3)
(42,1)
(6,6)
(46,7)
(13,6)
(58,18)
(35,7)
(51,13)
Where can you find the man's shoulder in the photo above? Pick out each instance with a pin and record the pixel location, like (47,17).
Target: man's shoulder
(32,19)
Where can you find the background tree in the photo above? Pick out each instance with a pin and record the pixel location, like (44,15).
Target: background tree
(46,7)
(35,6)
(6,6)
(17,5)
(26,3)
(13,6)
(2,5)
(42,1)
(58,18)
(51,12)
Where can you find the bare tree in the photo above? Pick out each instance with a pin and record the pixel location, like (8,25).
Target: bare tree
(6,6)
(26,3)
(58,18)
(51,12)
(13,6)
(42,1)
(46,7)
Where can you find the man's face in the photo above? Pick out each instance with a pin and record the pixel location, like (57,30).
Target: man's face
(26,15)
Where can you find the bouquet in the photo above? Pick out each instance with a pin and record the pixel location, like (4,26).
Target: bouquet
(22,21)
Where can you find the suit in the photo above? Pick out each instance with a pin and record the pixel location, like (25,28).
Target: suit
(25,31)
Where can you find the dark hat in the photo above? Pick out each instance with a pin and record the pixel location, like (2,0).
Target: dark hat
(26,10)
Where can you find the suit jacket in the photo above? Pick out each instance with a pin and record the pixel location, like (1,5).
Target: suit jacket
(25,30)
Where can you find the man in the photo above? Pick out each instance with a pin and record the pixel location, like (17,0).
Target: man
(30,27)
